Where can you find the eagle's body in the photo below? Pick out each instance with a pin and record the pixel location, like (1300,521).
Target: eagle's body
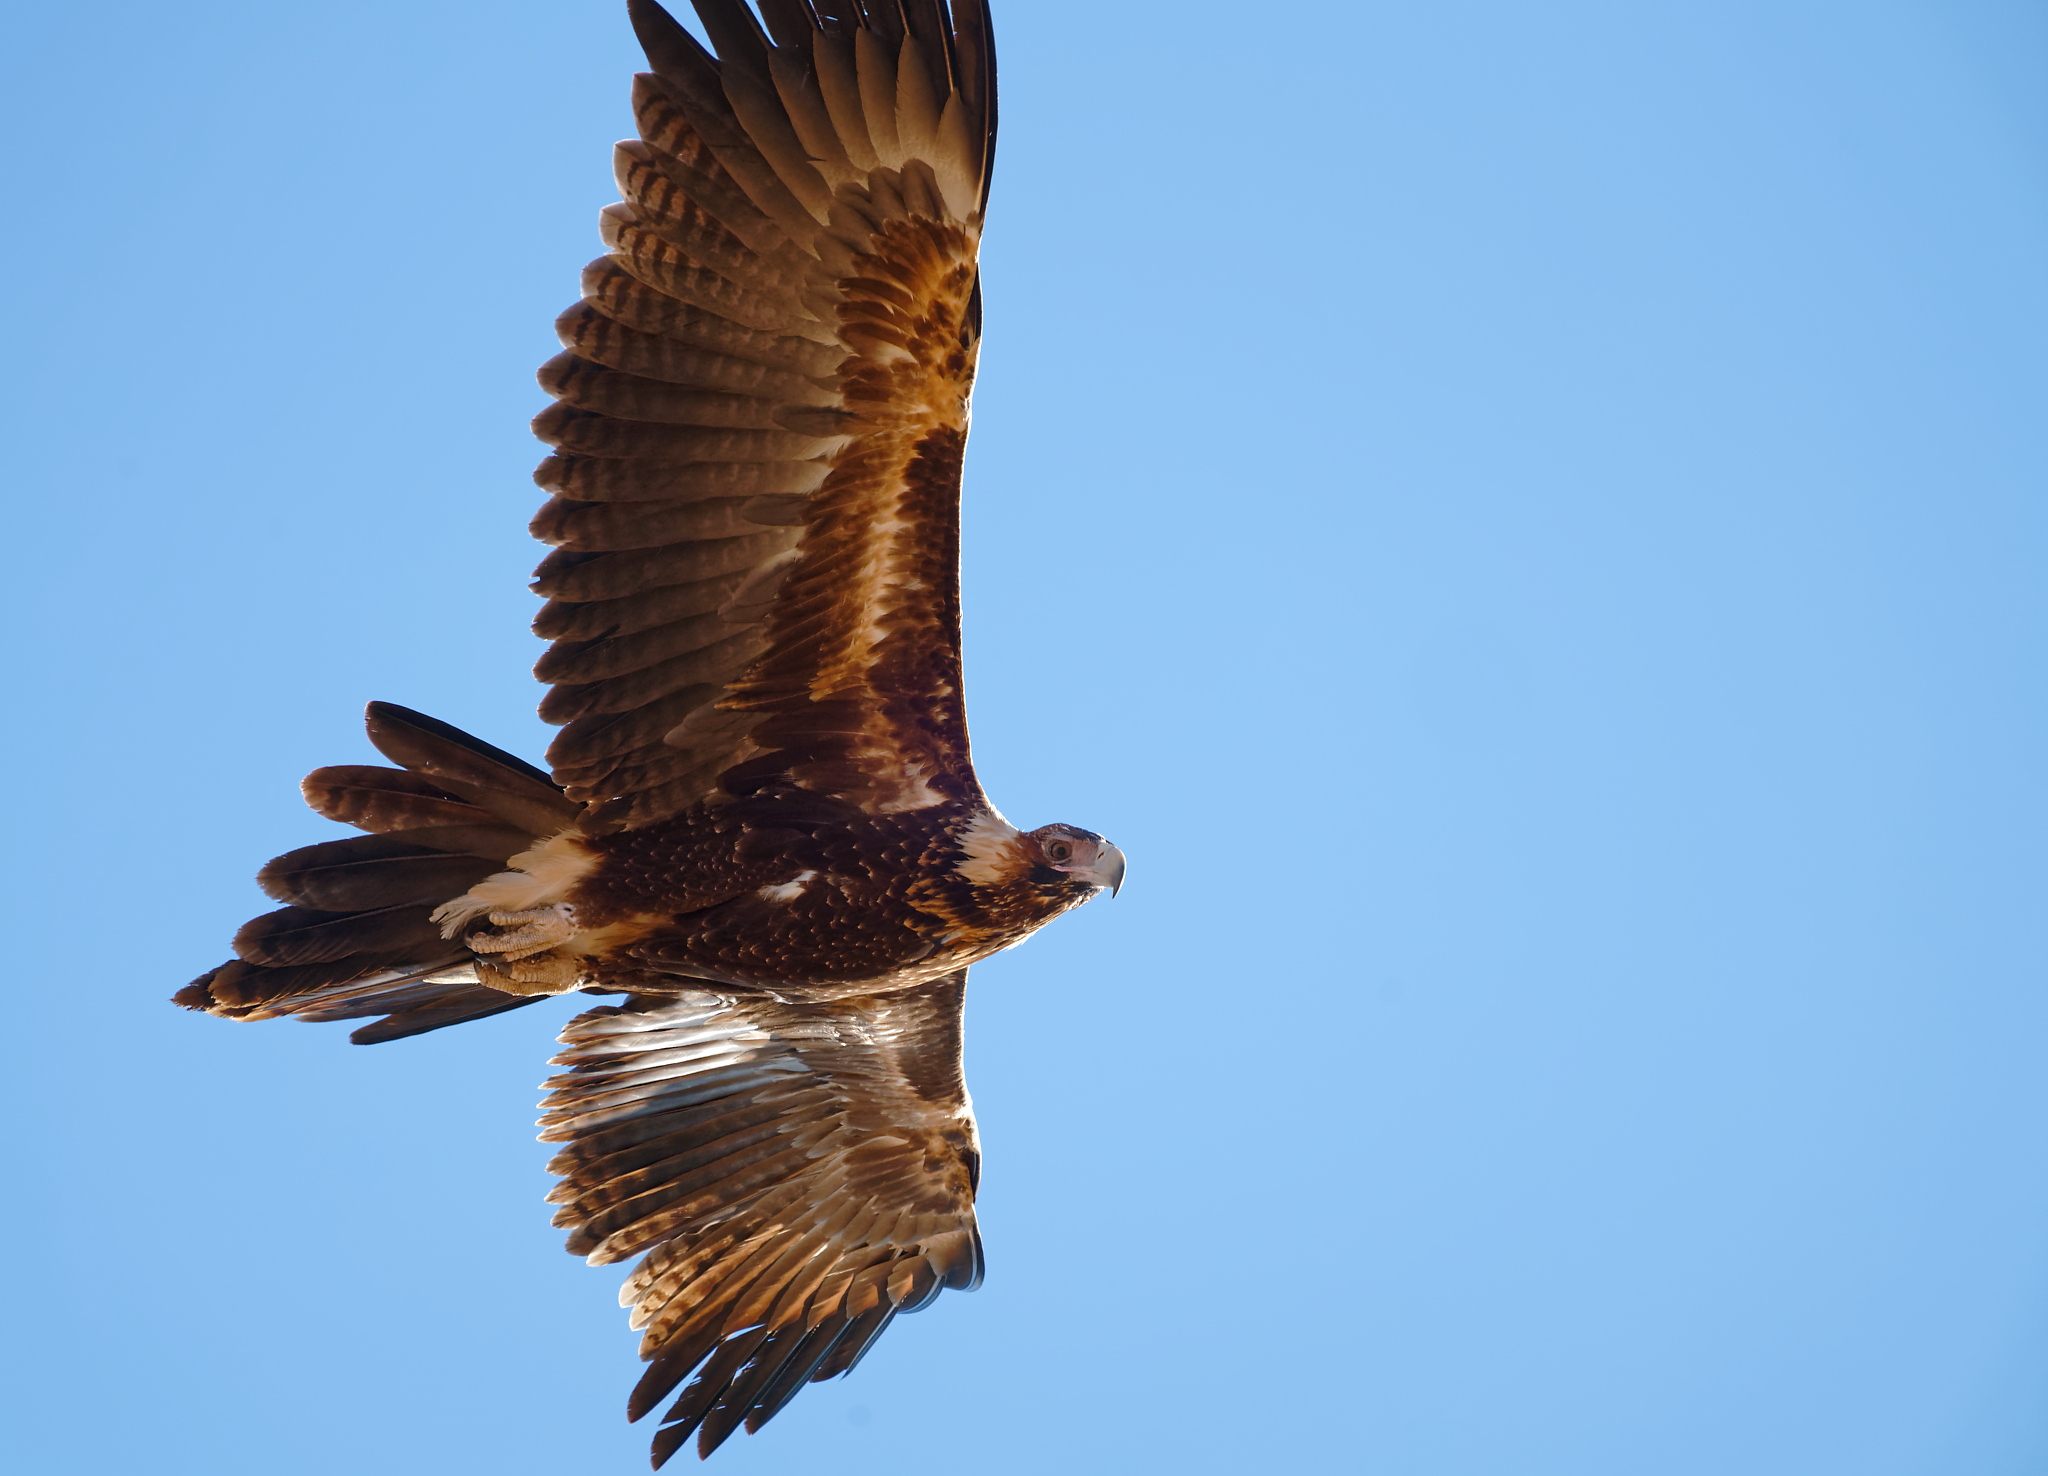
(777,893)
(761,823)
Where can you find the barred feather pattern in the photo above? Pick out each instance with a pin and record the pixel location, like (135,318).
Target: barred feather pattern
(795,1175)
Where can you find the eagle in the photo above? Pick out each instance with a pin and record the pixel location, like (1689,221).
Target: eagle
(759,827)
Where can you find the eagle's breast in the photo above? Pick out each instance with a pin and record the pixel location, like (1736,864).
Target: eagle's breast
(757,893)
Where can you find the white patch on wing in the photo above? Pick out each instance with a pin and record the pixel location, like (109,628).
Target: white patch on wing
(540,876)
(787,891)
(917,792)
(989,842)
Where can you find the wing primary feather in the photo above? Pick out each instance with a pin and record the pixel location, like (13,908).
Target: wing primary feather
(837,17)
(816,1347)
(669,47)
(858,1340)
(885,19)
(838,80)
(702,1392)
(668,1368)
(735,35)
(775,1353)
(926,20)
(791,23)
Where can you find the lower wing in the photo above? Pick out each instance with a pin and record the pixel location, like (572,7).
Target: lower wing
(796,1175)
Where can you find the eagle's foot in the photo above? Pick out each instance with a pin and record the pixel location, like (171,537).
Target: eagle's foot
(520,935)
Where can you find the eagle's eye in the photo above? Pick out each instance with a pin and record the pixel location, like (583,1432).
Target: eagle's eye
(1059,850)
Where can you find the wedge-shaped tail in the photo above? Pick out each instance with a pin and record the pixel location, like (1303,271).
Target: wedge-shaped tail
(356,937)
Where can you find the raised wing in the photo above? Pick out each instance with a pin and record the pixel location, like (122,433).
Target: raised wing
(796,1174)
(761,417)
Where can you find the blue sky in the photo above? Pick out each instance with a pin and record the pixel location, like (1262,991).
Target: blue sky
(1526,523)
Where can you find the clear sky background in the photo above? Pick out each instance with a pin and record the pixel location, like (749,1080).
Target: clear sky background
(1526,521)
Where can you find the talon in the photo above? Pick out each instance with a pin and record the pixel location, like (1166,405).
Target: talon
(526,933)
(538,916)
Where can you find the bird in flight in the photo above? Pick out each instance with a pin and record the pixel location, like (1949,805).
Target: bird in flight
(759,824)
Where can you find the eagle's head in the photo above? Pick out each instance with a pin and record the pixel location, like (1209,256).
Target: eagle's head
(1046,870)
(1064,858)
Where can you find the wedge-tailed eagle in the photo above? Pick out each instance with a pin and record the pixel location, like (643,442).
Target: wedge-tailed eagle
(760,823)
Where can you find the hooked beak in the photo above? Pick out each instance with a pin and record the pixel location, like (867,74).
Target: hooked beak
(1106,870)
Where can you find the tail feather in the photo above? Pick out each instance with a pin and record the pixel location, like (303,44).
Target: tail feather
(448,1009)
(411,1001)
(371,871)
(382,800)
(355,937)
(305,935)
(240,990)
(510,788)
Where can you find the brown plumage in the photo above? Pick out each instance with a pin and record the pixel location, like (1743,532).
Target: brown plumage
(762,825)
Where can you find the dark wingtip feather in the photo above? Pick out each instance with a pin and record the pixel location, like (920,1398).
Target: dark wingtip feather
(702,1393)
(667,1369)
(870,1338)
(736,32)
(790,22)
(775,1395)
(670,49)
(667,1442)
(762,1373)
